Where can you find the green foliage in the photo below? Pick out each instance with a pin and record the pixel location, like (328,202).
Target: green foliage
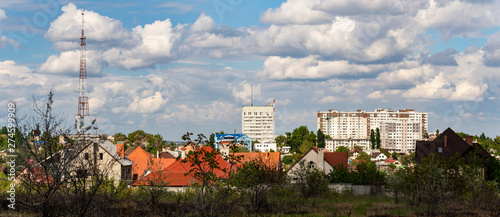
(436,181)
(321,139)
(136,136)
(280,141)
(119,137)
(211,140)
(363,156)
(287,159)
(305,146)
(373,142)
(366,173)
(299,135)
(310,181)
(377,138)
(342,149)
(395,155)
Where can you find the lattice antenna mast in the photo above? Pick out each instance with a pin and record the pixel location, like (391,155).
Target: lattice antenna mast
(83,100)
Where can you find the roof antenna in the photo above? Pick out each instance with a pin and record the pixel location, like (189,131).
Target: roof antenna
(251,95)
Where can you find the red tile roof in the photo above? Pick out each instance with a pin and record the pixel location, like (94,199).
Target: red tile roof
(144,161)
(336,158)
(174,174)
(269,159)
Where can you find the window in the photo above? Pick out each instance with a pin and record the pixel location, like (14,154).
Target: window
(134,177)
(440,150)
(100,156)
(86,156)
(311,165)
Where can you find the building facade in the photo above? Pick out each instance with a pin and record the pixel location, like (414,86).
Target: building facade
(399,130)
(226,139)
(258,123)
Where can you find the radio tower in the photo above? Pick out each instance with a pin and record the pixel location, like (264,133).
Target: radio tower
(83,100)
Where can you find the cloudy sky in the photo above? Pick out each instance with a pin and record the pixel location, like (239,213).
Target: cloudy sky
(174,66)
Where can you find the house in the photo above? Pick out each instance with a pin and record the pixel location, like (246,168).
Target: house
(145,163)
(320,159)
(177,173)
(226,139)
(450,145)
(83,161)
(267,146)
(378,156)
(109,158)
(354,153)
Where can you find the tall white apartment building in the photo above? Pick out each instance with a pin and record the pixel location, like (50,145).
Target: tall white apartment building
(257,122)
(399,130)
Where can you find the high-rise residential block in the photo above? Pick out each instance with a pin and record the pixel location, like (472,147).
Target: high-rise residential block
(399,130)
(258,123)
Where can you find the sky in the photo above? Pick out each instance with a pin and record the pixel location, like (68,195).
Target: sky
(169,67)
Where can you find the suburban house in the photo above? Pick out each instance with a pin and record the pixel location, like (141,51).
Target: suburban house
(144,162)
(450,145)
(354,153)
(320,159)
(108,157)
(102,157)
(378,156)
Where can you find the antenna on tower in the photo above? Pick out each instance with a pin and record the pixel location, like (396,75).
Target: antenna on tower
(251,95)
(83,100)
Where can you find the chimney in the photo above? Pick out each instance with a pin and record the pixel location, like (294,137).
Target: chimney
(469,140)
(321,158)
(445,141)
(157,154)
(267,154)
(183,153)
(120,149)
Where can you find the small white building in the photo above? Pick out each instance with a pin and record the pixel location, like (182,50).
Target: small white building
(378,156)
(262,147)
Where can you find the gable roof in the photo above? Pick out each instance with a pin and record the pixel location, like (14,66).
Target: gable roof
(448,145)
(355,150)
(166,155)
(332,158)
(111,149)
(143,161)
(337,158)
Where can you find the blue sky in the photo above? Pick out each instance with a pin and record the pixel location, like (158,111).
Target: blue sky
(174,66)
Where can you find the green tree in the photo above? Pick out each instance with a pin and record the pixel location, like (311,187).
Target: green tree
(395,155)
(321,139)
(377,137)
(119,137)
(312,138)
(280,142)
(373,142)
(426,135)
(305,146)
(287,159)
(137,135)
(363,156)
(211,140)
(257,178)
(342,149)
(437,132)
